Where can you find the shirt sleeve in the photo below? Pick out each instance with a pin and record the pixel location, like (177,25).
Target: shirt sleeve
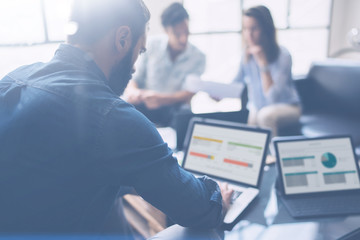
(281,76)
(240,76)
(198,65)
(138,157)
(188,201)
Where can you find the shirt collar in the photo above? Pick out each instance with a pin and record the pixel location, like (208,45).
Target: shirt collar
(81,59)
(184,55)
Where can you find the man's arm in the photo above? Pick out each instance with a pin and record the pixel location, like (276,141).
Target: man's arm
(133,94)
(154,100)
(186,200)
(138,157)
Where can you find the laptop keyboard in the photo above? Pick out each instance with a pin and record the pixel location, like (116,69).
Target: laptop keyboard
(324,205)
(235,195)
(240,200)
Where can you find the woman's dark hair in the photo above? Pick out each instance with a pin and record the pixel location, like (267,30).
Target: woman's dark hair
(95,18)
(174,14)
(268,32)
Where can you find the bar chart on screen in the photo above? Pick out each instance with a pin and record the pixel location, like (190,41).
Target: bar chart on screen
(226,152)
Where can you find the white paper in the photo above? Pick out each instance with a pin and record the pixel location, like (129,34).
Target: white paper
(216,90)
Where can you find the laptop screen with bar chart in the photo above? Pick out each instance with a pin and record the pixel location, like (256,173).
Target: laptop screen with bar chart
(230,152)
(317,165)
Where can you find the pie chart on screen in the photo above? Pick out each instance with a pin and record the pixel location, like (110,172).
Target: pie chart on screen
(328,160)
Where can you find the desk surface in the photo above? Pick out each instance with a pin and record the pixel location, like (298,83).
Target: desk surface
(267,218)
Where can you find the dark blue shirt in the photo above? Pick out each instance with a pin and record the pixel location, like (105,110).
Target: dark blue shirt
(69,145)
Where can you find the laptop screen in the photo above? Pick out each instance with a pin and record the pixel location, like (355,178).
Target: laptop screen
(230,153)
(317,165)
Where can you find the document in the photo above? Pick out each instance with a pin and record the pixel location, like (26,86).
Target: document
(216,90)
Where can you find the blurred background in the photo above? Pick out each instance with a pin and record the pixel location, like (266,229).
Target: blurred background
(312,30)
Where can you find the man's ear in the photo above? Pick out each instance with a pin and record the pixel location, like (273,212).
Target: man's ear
(123,39)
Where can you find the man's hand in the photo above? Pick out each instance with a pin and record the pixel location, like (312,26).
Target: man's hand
(153,100)
(134,96)
(226,194)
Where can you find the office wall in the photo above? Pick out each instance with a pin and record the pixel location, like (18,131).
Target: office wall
(345,16)
(156,7)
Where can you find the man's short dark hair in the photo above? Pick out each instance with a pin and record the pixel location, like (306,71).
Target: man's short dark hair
(174,14)
(95,18)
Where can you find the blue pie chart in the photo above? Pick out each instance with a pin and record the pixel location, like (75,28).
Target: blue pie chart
(328,160)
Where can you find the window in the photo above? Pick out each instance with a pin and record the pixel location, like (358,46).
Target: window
(56,16)
(23,20)
(31,31)
(302,27)
(33,21)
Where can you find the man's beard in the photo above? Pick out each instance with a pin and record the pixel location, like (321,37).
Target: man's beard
(121,73)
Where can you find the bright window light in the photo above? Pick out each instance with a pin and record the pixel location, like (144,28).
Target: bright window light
(21,22)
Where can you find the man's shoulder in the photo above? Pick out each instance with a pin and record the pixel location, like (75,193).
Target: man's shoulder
(126,114)
(123,121)
(22,73)
(195,50)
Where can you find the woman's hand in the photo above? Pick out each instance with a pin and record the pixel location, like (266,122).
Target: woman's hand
(259,55)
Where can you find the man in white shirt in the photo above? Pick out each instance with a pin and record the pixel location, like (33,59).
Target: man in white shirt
(157,89)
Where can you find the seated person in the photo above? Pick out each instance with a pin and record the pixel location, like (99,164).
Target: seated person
(266,70)
(70,146)
(157,88)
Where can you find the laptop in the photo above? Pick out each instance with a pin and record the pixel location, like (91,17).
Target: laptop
(318,176)
(228,152)
(183,118)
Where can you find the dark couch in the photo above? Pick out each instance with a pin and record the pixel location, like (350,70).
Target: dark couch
(330,96)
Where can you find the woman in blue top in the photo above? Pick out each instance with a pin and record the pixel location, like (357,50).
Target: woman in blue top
(266,70)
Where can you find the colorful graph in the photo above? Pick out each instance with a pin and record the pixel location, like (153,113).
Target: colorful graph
(244,145)
(202,155)
(296,161)
(298,179)
(328,160)
(239,163)
(336,177)
(207,139)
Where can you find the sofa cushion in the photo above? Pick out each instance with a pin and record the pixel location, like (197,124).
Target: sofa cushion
(314,125)
(332,86)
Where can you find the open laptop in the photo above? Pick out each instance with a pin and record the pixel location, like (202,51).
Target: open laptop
(183,118)
(318,176)
(229,152)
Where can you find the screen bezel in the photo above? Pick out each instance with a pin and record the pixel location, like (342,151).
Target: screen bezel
(278,140)
(229,125)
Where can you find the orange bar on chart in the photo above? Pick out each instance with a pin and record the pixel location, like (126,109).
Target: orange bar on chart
(208,139)
(244,164)
(201,155)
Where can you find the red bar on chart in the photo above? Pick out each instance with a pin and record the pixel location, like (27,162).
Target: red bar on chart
(201,155)
(244,164)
